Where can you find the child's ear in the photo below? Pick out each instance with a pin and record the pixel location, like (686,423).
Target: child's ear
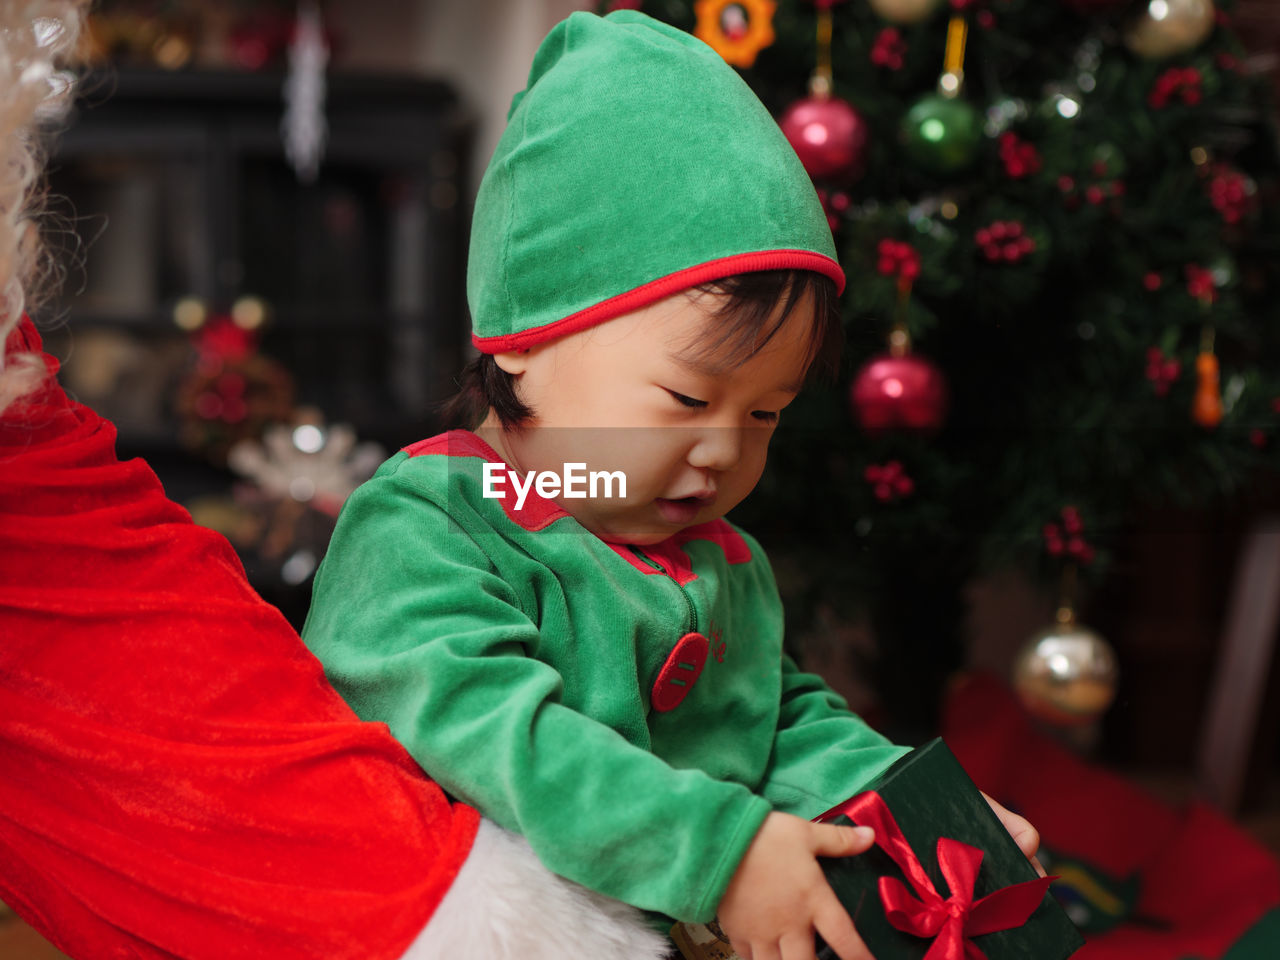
(514,362)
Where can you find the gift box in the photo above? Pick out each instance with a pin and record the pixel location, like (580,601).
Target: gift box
(945,881)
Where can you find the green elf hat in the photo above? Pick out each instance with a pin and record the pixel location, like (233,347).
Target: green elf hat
(635,164)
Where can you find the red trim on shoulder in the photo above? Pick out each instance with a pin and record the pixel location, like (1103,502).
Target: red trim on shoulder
(454,443)
(655,290)
(537,512)
(675,562)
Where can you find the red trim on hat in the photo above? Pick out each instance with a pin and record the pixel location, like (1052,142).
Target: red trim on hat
(661,288)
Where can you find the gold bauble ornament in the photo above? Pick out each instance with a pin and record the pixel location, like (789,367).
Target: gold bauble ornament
(1166,28)
(904,11)
(1066,674)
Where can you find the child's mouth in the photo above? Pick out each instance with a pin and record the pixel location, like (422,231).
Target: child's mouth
(681,510)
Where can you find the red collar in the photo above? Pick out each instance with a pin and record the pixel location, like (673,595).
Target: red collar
(539,513)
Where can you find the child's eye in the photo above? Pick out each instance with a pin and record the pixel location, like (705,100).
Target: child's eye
(765,416)
(681,399)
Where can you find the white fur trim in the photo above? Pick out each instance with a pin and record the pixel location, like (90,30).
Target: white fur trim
(505,905)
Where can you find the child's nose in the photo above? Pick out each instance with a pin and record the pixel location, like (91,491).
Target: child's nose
(717,448)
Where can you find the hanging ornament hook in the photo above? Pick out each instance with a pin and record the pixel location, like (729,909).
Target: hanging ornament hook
(822,81)
(952,79)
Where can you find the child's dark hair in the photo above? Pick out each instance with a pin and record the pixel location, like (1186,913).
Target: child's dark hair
(753,301)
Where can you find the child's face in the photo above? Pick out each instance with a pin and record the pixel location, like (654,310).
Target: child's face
(690,438)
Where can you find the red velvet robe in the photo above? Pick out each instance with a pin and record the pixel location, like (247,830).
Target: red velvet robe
(177,779)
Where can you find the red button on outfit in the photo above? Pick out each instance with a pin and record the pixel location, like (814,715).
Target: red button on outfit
(680,672)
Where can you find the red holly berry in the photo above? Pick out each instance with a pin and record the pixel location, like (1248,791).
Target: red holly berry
(1019,157)
(895,258)
(1184,83)
(889,49)
(1004,241)
(1071,521)
(1200,283)
(889,481)
(1153,282)
(1162,370)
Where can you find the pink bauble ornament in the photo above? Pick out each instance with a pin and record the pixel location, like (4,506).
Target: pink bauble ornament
(829,136)
(905,392)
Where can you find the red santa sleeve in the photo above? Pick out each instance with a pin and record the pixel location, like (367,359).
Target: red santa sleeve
(176,776)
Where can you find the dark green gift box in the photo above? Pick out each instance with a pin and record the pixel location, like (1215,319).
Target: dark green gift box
(930,797)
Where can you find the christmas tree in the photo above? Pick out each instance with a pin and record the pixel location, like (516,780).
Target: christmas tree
(1059,223)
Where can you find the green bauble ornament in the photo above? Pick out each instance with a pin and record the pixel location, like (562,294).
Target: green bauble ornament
(941,134)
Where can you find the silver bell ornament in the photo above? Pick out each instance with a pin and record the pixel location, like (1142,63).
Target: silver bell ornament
(1066,674)
(1166,28)
(904,11)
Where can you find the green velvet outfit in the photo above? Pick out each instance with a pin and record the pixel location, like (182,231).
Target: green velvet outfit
(521,661)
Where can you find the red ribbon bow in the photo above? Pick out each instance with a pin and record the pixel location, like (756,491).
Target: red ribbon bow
(952,920)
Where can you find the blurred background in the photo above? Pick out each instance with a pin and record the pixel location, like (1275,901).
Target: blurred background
(1050,459)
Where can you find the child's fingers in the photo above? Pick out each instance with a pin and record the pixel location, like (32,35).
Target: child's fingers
(798,946)
(830,840)
(836,927)
(1024,834)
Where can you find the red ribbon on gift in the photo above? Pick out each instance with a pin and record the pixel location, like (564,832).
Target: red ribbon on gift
(922,911)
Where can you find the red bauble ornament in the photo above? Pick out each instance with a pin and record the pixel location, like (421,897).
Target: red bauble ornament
(829,136)
(905,392)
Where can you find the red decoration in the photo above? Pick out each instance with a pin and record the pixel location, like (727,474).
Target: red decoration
(1004,241)
(1095,193)
(920,910)
(983,17)
(896,259)
(221,338)
(829,136)
(1181,82)
(899,393)
(1020,157)
(1067,538)
(1200,283)
(889,481)
(1232,194)
(1152,281)
(1162,370)
(834,204)
(889,49)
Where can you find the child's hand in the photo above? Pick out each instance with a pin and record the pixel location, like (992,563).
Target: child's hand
(1024,834)
(779,895)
